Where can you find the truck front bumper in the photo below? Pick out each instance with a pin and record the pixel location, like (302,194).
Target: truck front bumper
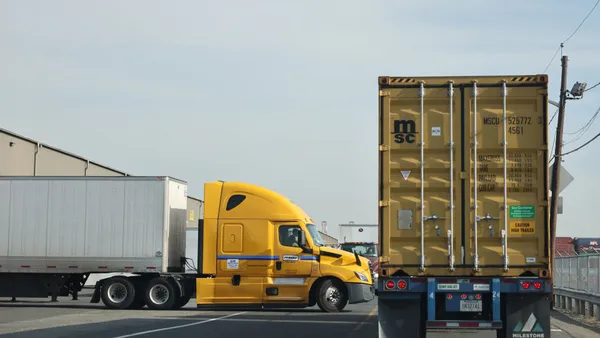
(360,293)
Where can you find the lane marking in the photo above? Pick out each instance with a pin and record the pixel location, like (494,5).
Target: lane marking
(365,321)
(179,326)
(269,320)
(556,330)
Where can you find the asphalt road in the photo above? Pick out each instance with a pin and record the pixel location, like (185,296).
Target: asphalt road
(76,319)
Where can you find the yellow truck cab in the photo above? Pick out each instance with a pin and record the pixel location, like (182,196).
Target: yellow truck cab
(256,248)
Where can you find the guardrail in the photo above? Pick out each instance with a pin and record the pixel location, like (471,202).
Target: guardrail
(577,284)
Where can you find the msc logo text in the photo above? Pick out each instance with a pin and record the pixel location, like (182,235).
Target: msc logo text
(405,131)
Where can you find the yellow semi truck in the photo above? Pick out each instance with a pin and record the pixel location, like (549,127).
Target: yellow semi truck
(255,247)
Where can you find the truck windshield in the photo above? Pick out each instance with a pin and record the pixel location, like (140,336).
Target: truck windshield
(366,250)
(316,236)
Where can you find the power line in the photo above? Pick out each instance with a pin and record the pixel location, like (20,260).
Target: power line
(581,146)
(592,87)
(570,36)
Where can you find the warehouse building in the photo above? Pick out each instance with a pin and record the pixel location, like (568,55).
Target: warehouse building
(22,156)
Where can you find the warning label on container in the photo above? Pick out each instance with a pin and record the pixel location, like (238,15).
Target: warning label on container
(405,174)
(522,227)
(522,211)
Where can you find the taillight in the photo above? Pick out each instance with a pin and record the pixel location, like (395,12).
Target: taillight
(390,284)
(449,296)
(463,296)
(525,285)
(478,296)
(401,284)
(537,285)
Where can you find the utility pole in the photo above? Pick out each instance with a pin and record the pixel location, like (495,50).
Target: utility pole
(554,185)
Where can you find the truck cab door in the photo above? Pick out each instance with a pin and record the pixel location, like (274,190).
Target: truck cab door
(289,279)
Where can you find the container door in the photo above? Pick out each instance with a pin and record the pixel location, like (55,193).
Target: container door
(418,169)
(289,278)
(506,165)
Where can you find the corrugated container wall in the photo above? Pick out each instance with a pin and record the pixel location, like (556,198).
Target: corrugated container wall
(445,175)
(21,156)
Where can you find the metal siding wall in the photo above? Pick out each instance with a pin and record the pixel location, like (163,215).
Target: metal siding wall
(18,158)
(54,163)
(96,170)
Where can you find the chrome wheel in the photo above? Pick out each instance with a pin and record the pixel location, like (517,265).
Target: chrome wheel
(159,294)
(117,293)
(333,295)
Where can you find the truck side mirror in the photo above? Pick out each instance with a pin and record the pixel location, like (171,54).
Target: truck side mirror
(301,239)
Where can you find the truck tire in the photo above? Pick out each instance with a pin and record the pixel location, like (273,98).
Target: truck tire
(331,297)
(182,301)
(118,293)
(161,294)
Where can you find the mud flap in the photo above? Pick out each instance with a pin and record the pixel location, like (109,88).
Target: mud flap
(403,318)
(527,316)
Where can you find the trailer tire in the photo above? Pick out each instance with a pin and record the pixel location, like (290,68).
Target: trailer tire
(118,293)
(161,294)
(331,296)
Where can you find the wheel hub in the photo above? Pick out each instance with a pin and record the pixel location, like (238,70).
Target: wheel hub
(159,294)
(332,295)
(117,292)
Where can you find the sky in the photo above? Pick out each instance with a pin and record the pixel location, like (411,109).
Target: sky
(280,94)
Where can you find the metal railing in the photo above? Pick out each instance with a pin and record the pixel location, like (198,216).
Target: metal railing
(578,272)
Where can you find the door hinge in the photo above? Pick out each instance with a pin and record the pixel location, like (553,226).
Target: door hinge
(384,147)
(384,93)
(384,203)
(463,175)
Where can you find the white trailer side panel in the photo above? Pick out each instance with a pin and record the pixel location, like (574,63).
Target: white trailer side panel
(91,224)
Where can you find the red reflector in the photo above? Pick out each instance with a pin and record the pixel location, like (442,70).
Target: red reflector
(469,324)
(449,296)
(51,267)
(103,267)
(537,285)
(25,266)
(389,284)
(73,267)
(525,285)
(401,284)
(479,281)
(129,267)
(151,267)
(463,296)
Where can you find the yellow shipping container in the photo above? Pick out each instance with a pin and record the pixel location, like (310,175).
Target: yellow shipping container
(446,142)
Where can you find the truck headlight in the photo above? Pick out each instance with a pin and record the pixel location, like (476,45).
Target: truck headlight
(360,276)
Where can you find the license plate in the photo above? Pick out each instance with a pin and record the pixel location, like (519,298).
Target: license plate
(470,306)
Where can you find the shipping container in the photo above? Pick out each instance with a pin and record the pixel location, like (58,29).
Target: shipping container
(563,240)
(92,224)
(463,198)
(562,250)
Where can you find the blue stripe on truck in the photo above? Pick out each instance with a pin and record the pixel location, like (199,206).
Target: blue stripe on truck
(248,258)
(261,257)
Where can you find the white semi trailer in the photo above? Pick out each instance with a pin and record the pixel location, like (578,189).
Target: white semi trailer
(56,231)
